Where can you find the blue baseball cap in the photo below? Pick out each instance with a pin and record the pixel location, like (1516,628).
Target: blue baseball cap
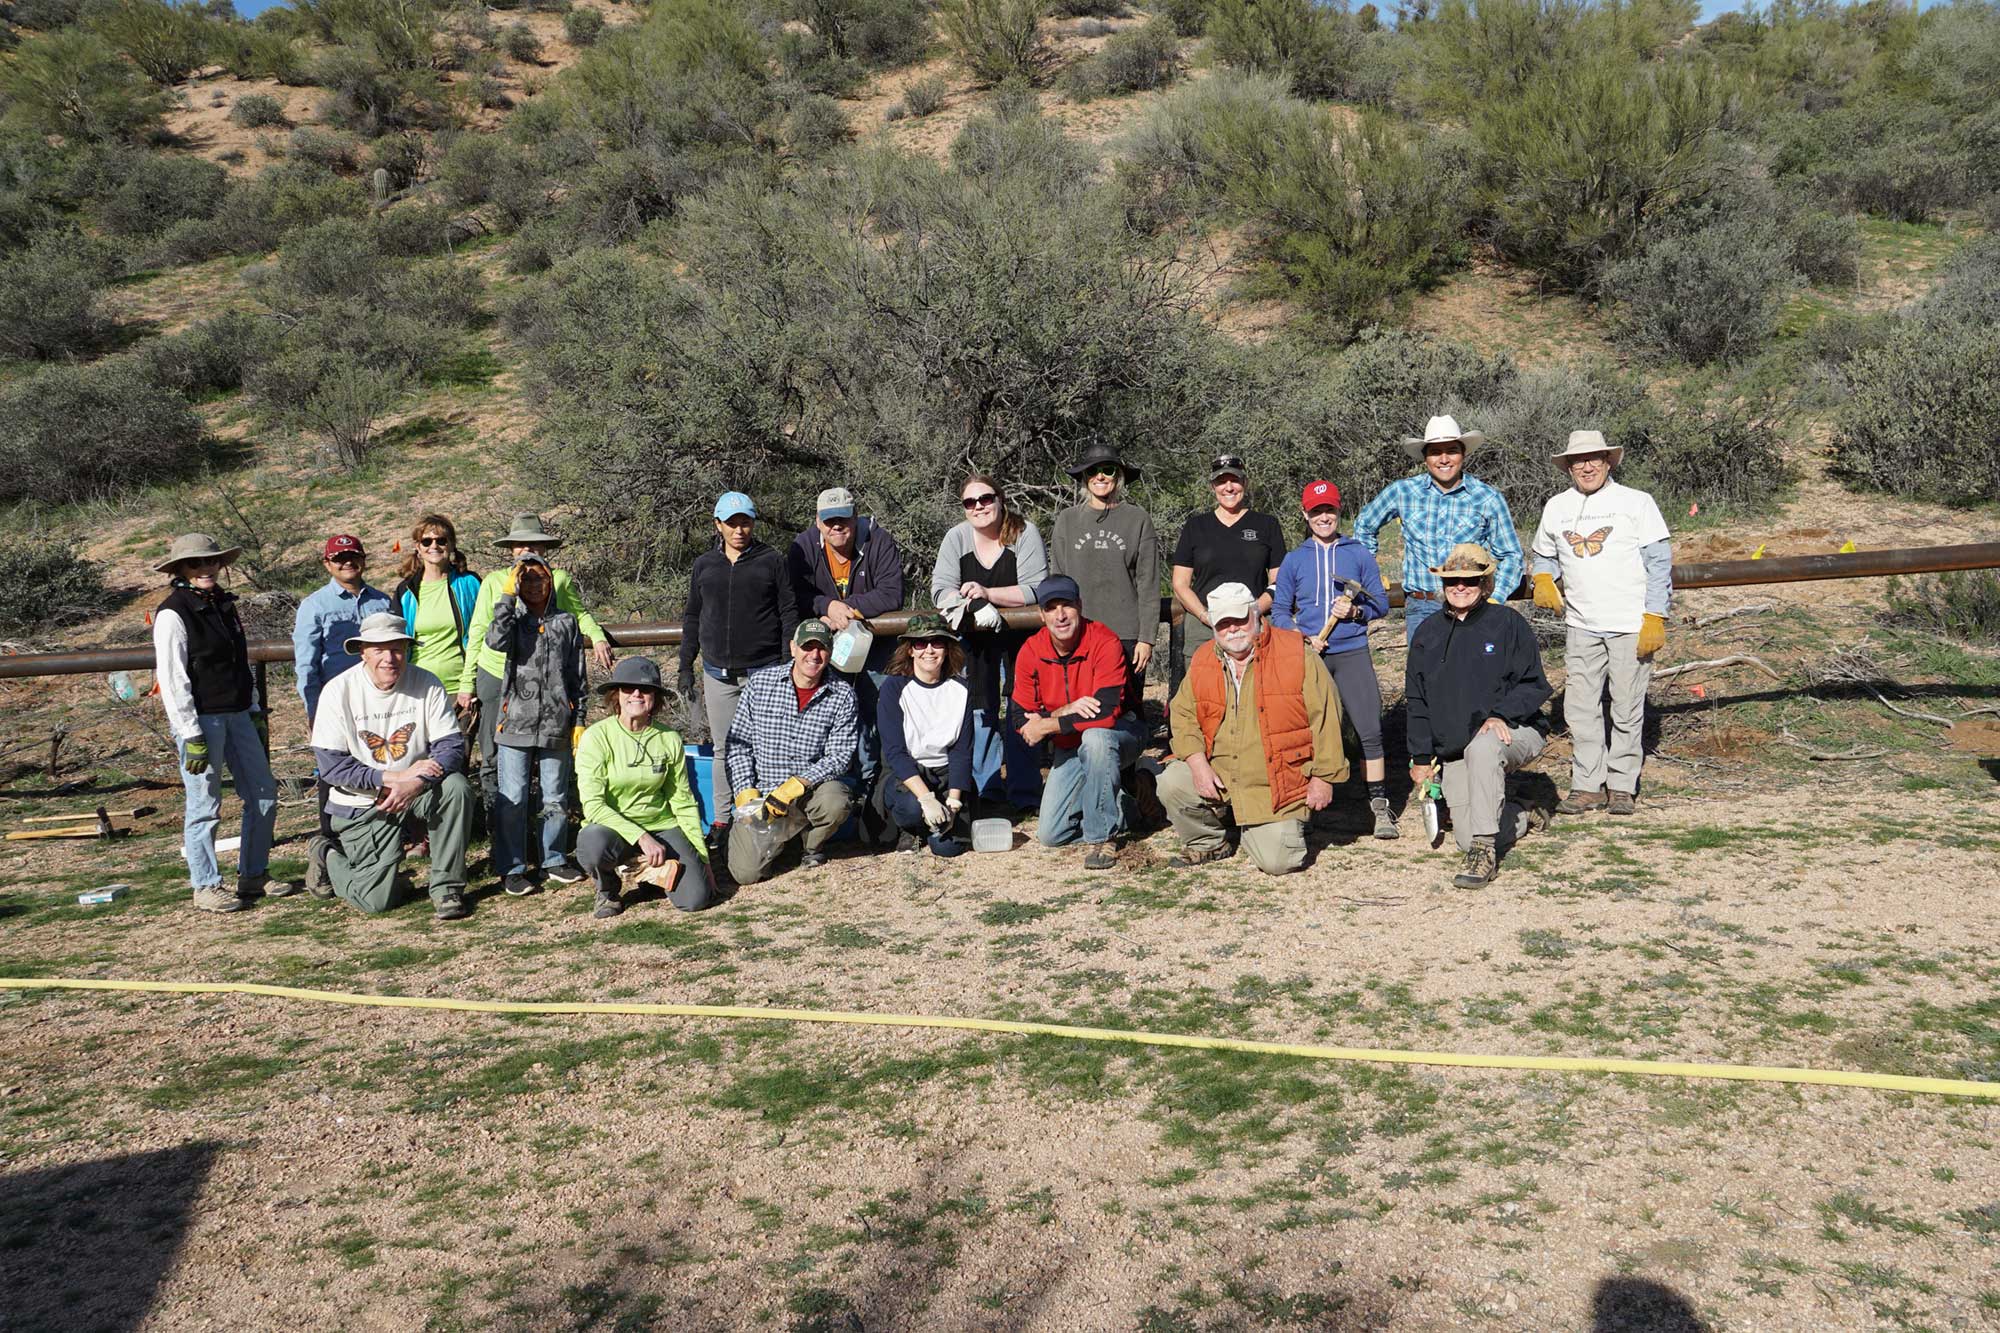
(733,503)
(1061,588)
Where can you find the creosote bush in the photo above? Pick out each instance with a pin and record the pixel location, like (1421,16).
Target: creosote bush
(926,95)
(582,27)
(1134,60)
(1712,295)
(995,39)
(49,303)
(47,582)
(73,433)
(256,110)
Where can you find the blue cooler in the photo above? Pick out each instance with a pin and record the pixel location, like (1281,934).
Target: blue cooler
(701,776)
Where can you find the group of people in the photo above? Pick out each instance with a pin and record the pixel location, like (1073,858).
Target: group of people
(817,723)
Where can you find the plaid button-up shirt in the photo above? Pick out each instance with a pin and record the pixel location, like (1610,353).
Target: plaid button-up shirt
(772,739)
(1434,521)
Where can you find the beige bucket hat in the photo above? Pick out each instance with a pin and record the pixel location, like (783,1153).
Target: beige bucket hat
(196,546)
(382,627)
(1442,430)
(1583,442)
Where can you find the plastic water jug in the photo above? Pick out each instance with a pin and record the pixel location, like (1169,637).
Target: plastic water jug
(992,835)
(850,647)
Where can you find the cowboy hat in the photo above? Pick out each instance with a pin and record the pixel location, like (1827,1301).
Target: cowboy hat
(1468,558)
(196,546)
(1102,452)
(1583,442)
(382,627)
(639,672)
(527,530)
(1442,430)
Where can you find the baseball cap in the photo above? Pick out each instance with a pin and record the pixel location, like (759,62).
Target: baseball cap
(1231,601)
(342,544)
(1227,465)
(1061,588)
(1319,493)
(836,502)
(733,503)
(813,631)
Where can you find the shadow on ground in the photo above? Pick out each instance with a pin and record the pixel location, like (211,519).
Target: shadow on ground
(88,1246)
(1634,1305)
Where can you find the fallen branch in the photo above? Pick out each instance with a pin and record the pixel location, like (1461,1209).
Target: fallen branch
(1739,659)
(1827,756)
(1705,621)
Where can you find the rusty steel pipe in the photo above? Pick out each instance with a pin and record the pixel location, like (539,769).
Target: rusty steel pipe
(662,634)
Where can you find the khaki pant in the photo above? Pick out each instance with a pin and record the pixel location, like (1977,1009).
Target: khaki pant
(1276,848)
(367,849)
(826,809)
(1475,787)
(1592,660)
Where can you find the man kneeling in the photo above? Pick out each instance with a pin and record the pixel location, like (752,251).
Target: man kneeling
(1256,736)
(792,738)
(389,748)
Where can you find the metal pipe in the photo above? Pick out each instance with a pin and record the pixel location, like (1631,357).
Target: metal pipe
(663,634)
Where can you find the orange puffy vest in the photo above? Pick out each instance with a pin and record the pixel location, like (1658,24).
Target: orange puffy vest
(1280,658)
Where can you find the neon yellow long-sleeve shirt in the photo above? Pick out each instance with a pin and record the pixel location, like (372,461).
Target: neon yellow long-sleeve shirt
(492,660)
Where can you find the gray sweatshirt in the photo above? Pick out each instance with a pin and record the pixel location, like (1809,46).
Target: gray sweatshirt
(1115,559)
(1031,565)
(542,694)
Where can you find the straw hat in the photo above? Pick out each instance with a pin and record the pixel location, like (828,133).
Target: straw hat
(196,546)
(1468,558)
(1442,430)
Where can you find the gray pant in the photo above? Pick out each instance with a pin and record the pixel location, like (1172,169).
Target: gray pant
(600,851)
(368,848)
(486,688)
(826,809)
(1475,787)
(1591,660)
(1276,848)
(718,700)
(1192,635)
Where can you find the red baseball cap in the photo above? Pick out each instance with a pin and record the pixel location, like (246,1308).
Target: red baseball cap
(1320,493)
(342,544)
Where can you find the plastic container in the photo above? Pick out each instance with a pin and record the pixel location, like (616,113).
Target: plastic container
(110,893)
(701,777)
(850,647)
(992,835)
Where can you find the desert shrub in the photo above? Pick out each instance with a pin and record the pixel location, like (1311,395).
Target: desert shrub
(1888,156)
(370,97)
(482,168)
(1189,17)
(890,33)
(253,53)
(926,95)
(403,156)
(1135,60)
(1823,248)
(213,356)
(49,298)
(816,125)
(1726,455)
(1087,9)
(688,83)
(334,396)
(435,293)
(46,582)
(1961,605)
(47,16)
(1313,46)
(551,6)
(76,85)
(534,249)
(145,193)
(73,433)
(1530,415)
(582,27)
(1967,290)
(256,110)
(806,59)
(338,257)
(520,43)
(1922,414)
(1713,295)
(396,34)
(995,39)
(168,42)
(1010,143)
(412,231)
(333,151)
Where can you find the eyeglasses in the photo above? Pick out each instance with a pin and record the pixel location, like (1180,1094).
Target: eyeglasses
(441,543)
(980,501)
(1451,582)
(1228,463)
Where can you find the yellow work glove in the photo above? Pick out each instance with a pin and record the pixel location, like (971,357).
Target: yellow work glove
(784,796)
(749,796)
(575,739)
(1652,634)
(1547,595)
(510,581)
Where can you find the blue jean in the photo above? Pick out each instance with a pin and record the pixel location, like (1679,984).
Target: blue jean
(1416,610)
(232,744)
(991,745)
(868,740)
(1082,795)
(510,824)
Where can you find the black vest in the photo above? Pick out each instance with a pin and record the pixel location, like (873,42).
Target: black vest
(218,652)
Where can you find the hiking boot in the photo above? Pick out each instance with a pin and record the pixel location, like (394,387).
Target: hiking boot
(1146,800)
(1538,819)
(218,899)
(251,887)
(908,842)
(607,905)
(1385,823)
(564,873)
(266,887)
(317,883)
(1581,802)
(452,907)
(1100,856)
(1187,858)
(1481,865)
(518,886)
(812,859)
(1624,803)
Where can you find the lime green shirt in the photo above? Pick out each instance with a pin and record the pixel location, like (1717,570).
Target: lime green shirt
(438,649)
(636,782)
(493,661)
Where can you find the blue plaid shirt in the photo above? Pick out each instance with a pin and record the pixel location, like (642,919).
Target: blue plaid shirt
(1434,521)
(771,739)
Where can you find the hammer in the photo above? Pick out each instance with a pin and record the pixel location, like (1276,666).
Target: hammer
(101,829)
(115,814)
(1353,588)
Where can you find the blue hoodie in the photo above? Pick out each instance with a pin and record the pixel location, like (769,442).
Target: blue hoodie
(1309,582)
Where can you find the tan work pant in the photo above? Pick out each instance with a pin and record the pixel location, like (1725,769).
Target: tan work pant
(1475,787)
(1592,661)
(825,811)
(1276,848)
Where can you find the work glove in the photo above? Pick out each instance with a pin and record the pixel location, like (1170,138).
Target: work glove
(783,797)
(749,803)
(955,616)
(1547,595)
(194,756)
(510,581)
(575,739)
(1652,634)
(935,815)
(684,685)
(987,616)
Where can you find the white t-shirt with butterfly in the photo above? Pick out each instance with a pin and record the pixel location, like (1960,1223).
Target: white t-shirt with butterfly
(1597,538)
(384,729)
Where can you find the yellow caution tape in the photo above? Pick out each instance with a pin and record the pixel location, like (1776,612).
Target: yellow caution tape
(1837,1078)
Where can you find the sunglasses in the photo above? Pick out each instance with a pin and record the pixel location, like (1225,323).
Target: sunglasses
(441,543)
(1228,463)
(838,522)
(345,558)
(927,645)
(980,501)
(1473,582)
(1104,470)
(815,646)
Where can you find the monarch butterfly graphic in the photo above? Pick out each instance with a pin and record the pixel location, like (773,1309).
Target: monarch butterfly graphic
(394,748)
(1587,546)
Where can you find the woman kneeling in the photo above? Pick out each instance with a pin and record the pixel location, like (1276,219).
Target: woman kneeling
(925,713)
(632,776)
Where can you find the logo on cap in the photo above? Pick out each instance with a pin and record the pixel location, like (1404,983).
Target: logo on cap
(342,544)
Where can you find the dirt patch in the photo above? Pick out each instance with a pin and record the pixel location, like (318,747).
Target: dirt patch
(1497,308)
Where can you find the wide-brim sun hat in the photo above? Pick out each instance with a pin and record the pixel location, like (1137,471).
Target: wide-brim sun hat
(1468,558)
(639,672)
(528,530)
(196,546)
(1585,442)
(928,626)
(1441,430)
(382,627)
(1098,454)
